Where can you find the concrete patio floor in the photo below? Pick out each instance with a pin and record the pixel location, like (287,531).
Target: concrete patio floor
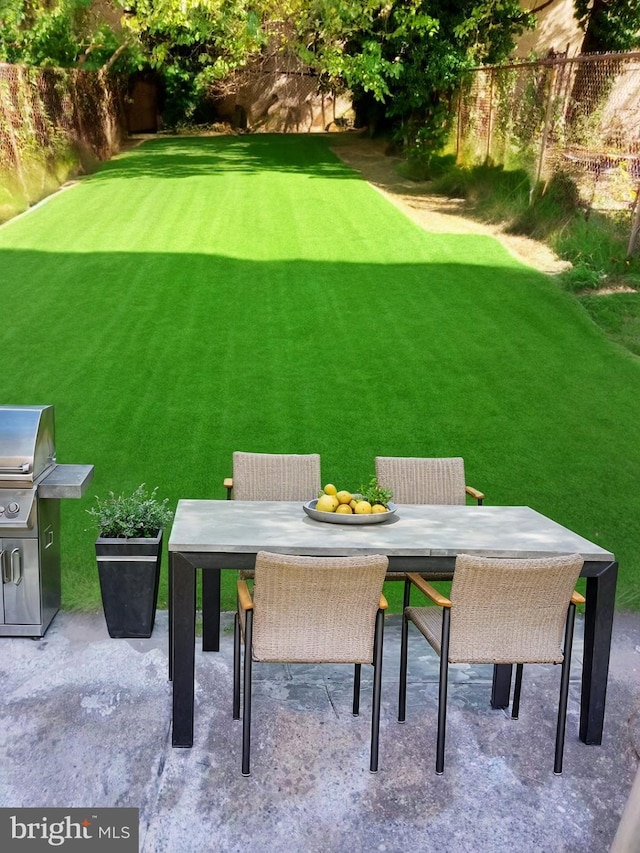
(85,722)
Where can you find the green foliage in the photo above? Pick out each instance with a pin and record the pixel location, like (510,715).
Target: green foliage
(551,208)
(138,515)
(58,33)
(609,25)
(194,46)
(183,95)
(494,193)
(375,494)
(407,55)
(416,169)
(597,248)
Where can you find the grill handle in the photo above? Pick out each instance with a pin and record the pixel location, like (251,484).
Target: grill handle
(16,566)
(25,468)
(11,564)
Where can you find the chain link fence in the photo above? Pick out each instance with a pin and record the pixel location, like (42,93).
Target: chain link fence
(53,123)
(577,116)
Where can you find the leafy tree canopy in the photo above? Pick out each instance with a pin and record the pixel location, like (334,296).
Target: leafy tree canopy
(366,44)
(608,25)
(194,44)
(405,56)
(401,57)
(374,43)
(55,32)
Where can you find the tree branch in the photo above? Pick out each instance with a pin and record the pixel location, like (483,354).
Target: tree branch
(541,7)
(113,58)
(83,57)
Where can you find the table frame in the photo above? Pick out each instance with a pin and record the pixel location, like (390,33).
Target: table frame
(601,581)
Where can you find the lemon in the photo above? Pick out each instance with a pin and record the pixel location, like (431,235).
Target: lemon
(352,503)
(378,508)
(363,508)
(330,489)
(344,509)
(327,503)
(344,497)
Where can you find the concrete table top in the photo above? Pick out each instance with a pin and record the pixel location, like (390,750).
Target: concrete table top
(248,526)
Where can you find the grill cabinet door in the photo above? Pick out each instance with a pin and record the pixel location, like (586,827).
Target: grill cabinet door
(20,581)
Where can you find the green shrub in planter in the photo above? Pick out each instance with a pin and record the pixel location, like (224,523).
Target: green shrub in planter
(137,516)
(129,552)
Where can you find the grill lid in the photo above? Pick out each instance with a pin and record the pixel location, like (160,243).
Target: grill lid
(27,444)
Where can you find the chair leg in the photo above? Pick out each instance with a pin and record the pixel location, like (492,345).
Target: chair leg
(236,668)
(377,685)
(246,715)
(564,689)
(404,653)
(357,673)
(515,707)
(442,692)
(406,594)
(404,656)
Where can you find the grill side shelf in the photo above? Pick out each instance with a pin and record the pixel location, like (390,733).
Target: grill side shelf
(66,481)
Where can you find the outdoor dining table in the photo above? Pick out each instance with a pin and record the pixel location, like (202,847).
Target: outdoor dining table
(214,535)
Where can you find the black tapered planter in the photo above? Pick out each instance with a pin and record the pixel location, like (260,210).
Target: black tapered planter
(129,572)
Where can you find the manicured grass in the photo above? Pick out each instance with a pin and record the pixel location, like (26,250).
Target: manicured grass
(200,296)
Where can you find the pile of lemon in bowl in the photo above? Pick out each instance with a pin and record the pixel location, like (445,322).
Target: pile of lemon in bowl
(345,503)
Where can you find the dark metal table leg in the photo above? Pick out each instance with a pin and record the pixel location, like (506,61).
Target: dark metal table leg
(210,610)
(501,686)
(184,623)
(598,623)
(170,614)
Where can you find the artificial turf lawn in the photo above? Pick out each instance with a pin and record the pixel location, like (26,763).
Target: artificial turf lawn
(198,296)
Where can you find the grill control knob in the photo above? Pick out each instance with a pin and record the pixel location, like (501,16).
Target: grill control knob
(1,510)
(12,509)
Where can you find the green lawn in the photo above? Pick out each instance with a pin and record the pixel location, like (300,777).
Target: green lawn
(204,295)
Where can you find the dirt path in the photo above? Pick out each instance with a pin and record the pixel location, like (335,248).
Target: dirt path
(433,213)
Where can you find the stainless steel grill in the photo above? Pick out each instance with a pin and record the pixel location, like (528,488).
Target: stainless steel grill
(31,486)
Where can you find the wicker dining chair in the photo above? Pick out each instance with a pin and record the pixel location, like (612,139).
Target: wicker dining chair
(424,480)
(311,610)
(501,611)
(274,477)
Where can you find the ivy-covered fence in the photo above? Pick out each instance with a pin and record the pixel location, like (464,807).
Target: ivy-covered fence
(574,115)
(53,123)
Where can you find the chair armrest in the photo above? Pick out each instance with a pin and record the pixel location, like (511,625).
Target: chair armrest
(244,596)
(577,598)
(383,603)
(428,590)
(228,484)
(475,494)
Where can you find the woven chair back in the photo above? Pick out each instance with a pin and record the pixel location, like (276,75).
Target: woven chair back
(275,476)
(316,609)
(510,610)
(416,480)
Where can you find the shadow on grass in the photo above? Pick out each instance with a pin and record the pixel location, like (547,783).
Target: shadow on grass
(161,365)
(185,157)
